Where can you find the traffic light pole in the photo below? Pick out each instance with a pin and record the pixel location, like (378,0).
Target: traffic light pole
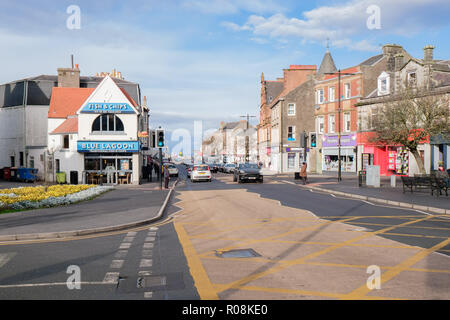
(160,168)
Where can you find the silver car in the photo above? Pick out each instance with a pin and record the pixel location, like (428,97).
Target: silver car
(229,168)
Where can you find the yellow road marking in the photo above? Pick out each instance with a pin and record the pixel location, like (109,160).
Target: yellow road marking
(201,279)
(403,266)
(240,283)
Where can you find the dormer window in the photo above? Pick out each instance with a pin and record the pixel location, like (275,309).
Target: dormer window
(270,99)
(412,79)
(383,84)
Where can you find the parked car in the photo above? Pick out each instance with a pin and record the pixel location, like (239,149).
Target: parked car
(213,167)
(201,172)
(247,172)
(229,168)
(173,170)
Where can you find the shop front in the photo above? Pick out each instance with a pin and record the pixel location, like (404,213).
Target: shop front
(109,162)
(330,152)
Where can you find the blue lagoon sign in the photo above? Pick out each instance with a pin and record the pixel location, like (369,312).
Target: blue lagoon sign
(108,146)
(106,107)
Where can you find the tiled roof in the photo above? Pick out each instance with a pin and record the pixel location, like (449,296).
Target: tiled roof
(129,98)
(68,126)
(67,101)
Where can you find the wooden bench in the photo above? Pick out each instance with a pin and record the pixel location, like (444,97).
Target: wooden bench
(425,182)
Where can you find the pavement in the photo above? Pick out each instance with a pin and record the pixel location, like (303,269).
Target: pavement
(420,199)
(125,206)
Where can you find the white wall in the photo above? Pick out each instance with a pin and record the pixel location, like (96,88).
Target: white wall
(11,134)
(36,125)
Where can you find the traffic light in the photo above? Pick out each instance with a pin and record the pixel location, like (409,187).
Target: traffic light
(160,138)
(303,140)
(313,140)
(152,139)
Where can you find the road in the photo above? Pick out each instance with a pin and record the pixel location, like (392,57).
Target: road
(223,240)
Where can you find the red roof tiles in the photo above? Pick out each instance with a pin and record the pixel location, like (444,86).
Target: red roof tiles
(67,101)
(68,126)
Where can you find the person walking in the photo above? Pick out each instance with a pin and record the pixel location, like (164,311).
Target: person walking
(166,176)
(149,171)
(303,173)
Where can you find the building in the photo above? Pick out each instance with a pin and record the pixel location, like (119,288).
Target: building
(403,69)
(291,114)
(269,91)
(336,127)
(233,142)
(35,135)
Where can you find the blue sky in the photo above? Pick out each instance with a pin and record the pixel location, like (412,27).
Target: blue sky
(202,59)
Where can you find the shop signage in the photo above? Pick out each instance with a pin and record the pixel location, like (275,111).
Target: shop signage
(106,107)
(347,140)
(107,146)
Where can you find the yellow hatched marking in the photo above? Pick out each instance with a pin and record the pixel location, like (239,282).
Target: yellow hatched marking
(403,266)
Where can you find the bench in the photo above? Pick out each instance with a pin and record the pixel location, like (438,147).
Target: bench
(425,182)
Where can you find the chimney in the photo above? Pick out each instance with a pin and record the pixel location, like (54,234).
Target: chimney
(428,54)
(398,61)
(69,77)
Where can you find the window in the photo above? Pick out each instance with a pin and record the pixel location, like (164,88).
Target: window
(107,122)
(383,84)
(291,109)
(319,96)
(291,133)
(320,124)
(347,121)
(347,90)
(291,160)
(32,162)
(331,123)
(412,79)
(66,142)
(331,94)
(270,99)
(57,165)
(21,159)
(13,161)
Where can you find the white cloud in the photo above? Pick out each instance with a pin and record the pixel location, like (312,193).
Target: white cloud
(345,21)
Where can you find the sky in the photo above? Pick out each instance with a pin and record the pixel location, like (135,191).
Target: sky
(202,59)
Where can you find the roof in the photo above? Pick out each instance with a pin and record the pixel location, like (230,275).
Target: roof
(54,78)
(67,101)
(129,98)
(327,65)
(68,126)
(372,60)
(273,89)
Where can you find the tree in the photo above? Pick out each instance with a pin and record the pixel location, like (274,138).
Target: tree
(410,117)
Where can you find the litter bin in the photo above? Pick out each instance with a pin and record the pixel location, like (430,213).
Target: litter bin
(13,174)
(60,177)
(7,173)
(297,176)
(27,174)
(73,177)
(362,178)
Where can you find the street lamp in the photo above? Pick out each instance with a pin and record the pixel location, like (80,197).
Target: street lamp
(339,117)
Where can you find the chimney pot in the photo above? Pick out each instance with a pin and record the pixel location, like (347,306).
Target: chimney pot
(428,53)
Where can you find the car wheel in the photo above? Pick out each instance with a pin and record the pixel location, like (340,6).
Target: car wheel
(239,180)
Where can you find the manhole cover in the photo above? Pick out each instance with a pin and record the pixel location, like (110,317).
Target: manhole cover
(238,253)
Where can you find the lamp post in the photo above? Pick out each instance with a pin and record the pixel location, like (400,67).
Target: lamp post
(339,73)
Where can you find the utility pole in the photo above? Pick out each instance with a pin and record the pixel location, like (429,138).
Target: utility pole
(248,118)
(339,73)
(247,147)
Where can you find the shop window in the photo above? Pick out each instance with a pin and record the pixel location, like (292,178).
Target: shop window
(107,123)
(291,160)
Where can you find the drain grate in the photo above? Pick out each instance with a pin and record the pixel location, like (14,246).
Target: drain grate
(151,281)
(238,253)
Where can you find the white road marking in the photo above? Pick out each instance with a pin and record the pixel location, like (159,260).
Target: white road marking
(148,295)
(6,257)
(152,233)
(150,239)
(111,277)
(128,239)
(153,228)
(148,245)
(147,253)
(144,273)
(125,246)
(121,254)
(49,284)
(131,234)
(116,264)
(146,263)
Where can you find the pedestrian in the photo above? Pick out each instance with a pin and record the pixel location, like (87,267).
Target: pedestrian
(303,173)
(155,168)
(149,171)
(166,176)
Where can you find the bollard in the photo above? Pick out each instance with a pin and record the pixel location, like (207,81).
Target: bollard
(393,180)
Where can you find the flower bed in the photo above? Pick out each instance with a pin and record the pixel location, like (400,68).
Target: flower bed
(40,197)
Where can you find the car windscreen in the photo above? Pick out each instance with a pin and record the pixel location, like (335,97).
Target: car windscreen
(249,166)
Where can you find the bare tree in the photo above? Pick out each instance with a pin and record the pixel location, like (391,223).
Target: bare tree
(410,117)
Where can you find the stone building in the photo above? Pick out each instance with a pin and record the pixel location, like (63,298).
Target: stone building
(402,69)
